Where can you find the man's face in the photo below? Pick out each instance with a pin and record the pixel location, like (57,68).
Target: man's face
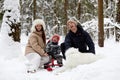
(72,26)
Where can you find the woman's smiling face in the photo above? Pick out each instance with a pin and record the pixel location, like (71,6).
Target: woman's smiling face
(38,27)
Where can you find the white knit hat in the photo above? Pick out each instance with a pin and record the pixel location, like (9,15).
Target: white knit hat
(37,21)
(71,21)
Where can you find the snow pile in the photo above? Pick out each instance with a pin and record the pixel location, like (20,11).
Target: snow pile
(13,69)
(106,68)
(9,49)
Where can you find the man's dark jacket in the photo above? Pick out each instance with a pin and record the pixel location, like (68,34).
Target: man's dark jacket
(81,40)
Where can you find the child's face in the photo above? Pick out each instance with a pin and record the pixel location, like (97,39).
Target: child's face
(55,39)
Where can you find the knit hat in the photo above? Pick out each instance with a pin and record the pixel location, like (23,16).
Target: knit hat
(71,21)
(56,35)
(36,22)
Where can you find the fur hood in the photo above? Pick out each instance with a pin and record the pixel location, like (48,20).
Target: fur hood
(37,21)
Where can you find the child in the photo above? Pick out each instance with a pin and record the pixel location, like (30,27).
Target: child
(53,49)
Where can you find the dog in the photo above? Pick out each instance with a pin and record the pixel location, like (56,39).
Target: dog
(75,58)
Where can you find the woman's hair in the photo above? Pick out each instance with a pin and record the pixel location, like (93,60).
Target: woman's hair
(43,36)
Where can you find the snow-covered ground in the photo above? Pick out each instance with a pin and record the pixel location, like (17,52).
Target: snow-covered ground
(107,68)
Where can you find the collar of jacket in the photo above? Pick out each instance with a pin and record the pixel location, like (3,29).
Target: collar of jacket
(38,33)
(54,43)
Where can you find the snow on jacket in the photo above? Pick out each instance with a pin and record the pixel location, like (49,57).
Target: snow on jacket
(81,40)
(35,44)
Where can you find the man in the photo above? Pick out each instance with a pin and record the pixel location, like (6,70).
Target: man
(77,38)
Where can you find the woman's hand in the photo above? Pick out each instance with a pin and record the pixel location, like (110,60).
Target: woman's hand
(45,54)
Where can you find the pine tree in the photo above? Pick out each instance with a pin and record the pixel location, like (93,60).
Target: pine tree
(11,24)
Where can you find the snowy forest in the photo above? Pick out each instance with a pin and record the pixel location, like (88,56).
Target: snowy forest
(100,18)
(90,13)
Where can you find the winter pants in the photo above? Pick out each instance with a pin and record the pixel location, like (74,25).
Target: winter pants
(35,61)
(58,58)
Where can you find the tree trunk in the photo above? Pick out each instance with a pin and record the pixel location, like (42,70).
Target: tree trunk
(66,17)
(117,35)
(118,12)
(100,24)
(55,12)
(79,10)
(34,10)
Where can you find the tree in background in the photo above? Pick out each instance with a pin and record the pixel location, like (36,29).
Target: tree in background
(10,30)
(78,10)
(109,9)
(1,12)
(34,12)
(11,23)
(65,15)
(117,33)
(100,24)
(118,12)
(56,12)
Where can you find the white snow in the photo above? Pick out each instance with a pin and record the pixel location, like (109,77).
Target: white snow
(13,68)
(12,59)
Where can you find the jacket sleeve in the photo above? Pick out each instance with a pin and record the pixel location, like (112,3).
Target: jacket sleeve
(90,43)
(68,43)
(36,47)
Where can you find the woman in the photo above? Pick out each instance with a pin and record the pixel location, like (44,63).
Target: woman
(35,47)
